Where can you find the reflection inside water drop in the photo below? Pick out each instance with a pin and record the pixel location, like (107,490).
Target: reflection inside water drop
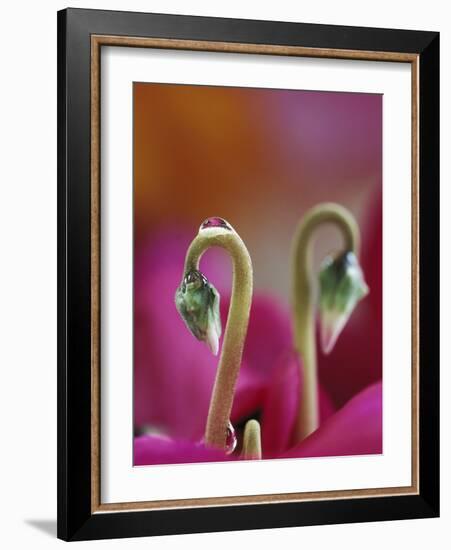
(231,439)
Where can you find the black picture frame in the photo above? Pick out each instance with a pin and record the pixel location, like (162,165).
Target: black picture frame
(76,520)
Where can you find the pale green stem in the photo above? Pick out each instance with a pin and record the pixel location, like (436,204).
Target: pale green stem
(252,445)
(236,327)
(304,296)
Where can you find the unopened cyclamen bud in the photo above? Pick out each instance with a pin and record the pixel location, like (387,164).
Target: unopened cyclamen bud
(342,286)
(197,301)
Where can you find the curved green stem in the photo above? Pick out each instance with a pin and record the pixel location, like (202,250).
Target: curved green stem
(252,445)
(236,327)
(304,291)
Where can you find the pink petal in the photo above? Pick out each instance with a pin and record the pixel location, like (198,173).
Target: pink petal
(280,406)
(173,372)
(269,334)
(326,407)
(268,338)
(356,429)
(149,449)
(249,394)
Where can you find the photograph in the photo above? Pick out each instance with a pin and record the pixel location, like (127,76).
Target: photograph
(257,273)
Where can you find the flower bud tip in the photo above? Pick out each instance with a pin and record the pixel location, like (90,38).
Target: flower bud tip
(342,286)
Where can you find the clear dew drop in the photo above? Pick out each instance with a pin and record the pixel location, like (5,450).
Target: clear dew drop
(215,222)
(231,439)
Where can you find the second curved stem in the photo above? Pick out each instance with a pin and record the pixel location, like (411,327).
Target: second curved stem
(304,291)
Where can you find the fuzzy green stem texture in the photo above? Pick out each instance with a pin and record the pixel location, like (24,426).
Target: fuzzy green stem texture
(304,295)
(236,327)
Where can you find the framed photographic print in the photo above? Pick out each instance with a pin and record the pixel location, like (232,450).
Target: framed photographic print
(248,274)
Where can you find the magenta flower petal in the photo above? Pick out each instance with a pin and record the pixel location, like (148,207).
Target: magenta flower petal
(249,394)
(356,429)
(268,337)
(150,449)
(326,407)
(173,373)
(280,406)
(372,254)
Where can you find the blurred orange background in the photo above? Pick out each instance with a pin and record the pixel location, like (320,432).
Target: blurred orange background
(258,158)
